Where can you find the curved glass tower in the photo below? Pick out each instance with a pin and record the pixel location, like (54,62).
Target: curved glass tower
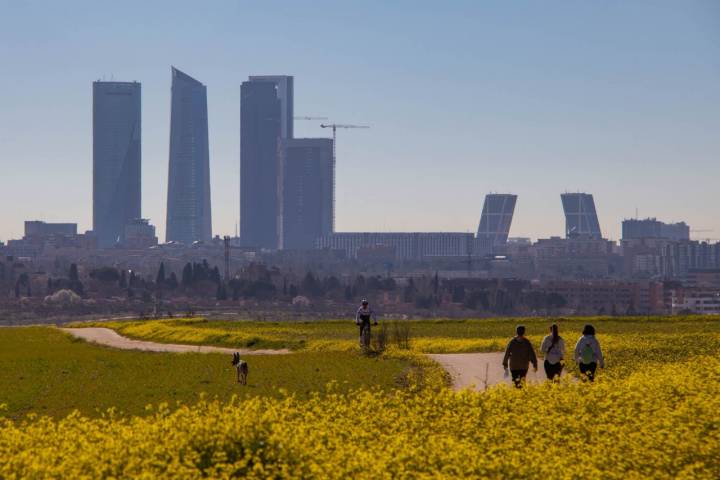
(188,207)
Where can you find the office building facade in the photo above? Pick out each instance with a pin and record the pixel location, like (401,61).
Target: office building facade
(495,221)
(285,93)
(580,215)
(116,158)
(306,192)
(404,246)
(189,217)
(39,228)
(139,234)
(260,133)
(653,228)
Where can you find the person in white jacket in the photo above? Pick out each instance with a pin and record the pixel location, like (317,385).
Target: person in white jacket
(588,354)
(553,346)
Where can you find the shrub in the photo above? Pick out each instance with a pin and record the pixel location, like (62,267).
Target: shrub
(401,334)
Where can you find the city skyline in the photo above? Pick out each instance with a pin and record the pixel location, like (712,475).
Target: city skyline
(625,116)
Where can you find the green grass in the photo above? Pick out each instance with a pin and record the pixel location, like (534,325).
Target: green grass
(427,336)
(45,371)
(629,343)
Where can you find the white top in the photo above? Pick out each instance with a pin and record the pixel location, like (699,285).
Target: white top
(554,354)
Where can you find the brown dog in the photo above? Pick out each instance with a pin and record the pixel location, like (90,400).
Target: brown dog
(241,367)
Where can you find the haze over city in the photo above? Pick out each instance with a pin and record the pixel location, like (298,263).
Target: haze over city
(618,99)
(261,239)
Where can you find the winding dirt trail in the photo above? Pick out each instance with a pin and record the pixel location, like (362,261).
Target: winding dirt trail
(110,338)
(476,370)
(479,370)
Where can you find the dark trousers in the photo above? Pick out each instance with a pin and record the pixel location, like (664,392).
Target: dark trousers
(588,369)
(363,325)
(518,376)
(552,370)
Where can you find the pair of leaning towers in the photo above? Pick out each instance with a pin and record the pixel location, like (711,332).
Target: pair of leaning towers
(497,214)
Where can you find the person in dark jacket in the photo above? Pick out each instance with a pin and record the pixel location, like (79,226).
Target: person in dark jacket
(521,353)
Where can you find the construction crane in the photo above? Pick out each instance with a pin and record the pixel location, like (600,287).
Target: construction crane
(334,127)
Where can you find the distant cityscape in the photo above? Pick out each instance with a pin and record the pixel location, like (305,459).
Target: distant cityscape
(287,219)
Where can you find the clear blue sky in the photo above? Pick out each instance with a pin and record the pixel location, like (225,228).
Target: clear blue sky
(617,98)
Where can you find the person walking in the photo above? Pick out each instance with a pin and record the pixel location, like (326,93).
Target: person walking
(520,353)
(553,346)
(588,354)
(362,320)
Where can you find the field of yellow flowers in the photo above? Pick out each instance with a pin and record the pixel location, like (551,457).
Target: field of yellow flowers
(652,424)
(652,414)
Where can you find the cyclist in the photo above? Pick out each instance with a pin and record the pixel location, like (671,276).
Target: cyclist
(362,320)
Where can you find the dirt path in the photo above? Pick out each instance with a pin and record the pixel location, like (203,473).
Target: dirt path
(110,338)
(479,369)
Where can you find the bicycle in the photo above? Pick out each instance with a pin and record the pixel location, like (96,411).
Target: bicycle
(365,336)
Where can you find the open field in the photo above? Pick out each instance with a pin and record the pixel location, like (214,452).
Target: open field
(651,414)
(47,372)
(629,342)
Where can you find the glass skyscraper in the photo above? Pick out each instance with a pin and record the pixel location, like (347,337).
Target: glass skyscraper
(495,221)
(260,134)
(116,159)
(580,216)
(306,194)
(188,208)
(285,92)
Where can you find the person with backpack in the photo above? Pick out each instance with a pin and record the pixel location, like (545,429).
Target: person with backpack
(588,354)
(553,346)
(520,353)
